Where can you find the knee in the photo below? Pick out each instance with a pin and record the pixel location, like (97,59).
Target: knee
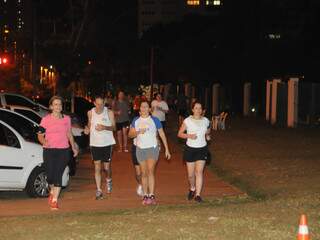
(97,170)
(198,173)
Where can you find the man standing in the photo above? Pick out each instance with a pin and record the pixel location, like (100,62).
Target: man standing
(101,125)
(159,109)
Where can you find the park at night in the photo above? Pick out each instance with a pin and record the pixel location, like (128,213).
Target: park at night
(159,119)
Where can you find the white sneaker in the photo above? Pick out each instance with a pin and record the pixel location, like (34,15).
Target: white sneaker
(140,191)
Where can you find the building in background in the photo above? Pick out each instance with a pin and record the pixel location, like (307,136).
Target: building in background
(152,12)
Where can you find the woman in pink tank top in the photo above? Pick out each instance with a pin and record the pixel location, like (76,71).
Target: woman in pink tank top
(55,136)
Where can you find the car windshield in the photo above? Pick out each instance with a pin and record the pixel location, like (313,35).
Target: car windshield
(26,128)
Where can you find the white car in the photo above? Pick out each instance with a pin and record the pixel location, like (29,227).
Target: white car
(21,157)
(27,112)
(19,100)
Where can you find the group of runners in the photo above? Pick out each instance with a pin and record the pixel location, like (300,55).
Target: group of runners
(146,129)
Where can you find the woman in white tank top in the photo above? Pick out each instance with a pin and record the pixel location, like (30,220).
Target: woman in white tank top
(196,129)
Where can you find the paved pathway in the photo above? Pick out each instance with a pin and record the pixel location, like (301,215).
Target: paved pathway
(171,187)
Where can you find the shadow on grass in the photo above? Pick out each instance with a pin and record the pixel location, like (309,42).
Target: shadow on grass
(244,186)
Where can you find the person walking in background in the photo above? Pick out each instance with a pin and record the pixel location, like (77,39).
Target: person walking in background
(109,99)
(160,109)
(145,129)
(100,126)
(182,107)
(136,105)
(55,135)
(121,112)
(196,129)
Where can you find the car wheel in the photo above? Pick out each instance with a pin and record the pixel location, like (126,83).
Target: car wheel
(37,185)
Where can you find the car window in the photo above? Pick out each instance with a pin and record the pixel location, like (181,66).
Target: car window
(29,114)
(24,127)
(8,138)
(17,100)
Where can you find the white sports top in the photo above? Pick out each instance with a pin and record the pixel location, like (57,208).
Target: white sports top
(100,138)
(199,127)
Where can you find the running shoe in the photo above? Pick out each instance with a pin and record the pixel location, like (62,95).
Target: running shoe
(109,185)
(198,199)
(54,205)
(140,190)
(191,195)
(99,195)
(152,200)
(145,200)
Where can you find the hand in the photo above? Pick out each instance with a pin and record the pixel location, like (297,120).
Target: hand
(86,130)
(208,137)
(75,151)
(192,136)
(45,143)
(167,154)
(142,131)
(100,127)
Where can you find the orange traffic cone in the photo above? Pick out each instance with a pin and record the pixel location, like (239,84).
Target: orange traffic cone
(303,233)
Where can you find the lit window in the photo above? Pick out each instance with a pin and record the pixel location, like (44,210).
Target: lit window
(213,2)
(193,2)
(274,36)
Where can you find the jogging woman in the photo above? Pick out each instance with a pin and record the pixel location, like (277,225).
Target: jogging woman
(145,129)
(196,129)
(55,135)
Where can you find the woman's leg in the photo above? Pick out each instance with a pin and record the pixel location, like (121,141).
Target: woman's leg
(144,176)
(119,136)
(199,166)
(125,138)
(138,173)
(191,175)
(151,164)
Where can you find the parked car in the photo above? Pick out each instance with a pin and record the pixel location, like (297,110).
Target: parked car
(33,121)
(21,161)
(19,100)
(27,112)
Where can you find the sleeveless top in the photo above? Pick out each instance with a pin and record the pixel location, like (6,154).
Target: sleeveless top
(100,138)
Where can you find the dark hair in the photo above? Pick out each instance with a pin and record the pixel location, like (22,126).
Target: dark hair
(98,96)
(144,101)
(194,103)
(55,97)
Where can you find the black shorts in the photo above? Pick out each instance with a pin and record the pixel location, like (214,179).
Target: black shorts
(55,161)
(195,154)
(134,155)
(121,125)
(103,154)
(163,123)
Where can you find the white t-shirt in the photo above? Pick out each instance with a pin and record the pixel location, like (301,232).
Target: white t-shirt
(149,138)
(199,127)
(101,138)
(158,113)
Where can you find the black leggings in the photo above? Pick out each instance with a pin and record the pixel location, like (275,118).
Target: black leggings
(55,161)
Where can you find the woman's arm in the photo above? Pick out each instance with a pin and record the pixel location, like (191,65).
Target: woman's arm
(72,143)
(165,143)
(42,140)
(183,135)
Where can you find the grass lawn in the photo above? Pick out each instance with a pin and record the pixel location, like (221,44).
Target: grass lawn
(280,169)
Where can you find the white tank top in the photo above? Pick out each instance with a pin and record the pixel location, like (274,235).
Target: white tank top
(100,138)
